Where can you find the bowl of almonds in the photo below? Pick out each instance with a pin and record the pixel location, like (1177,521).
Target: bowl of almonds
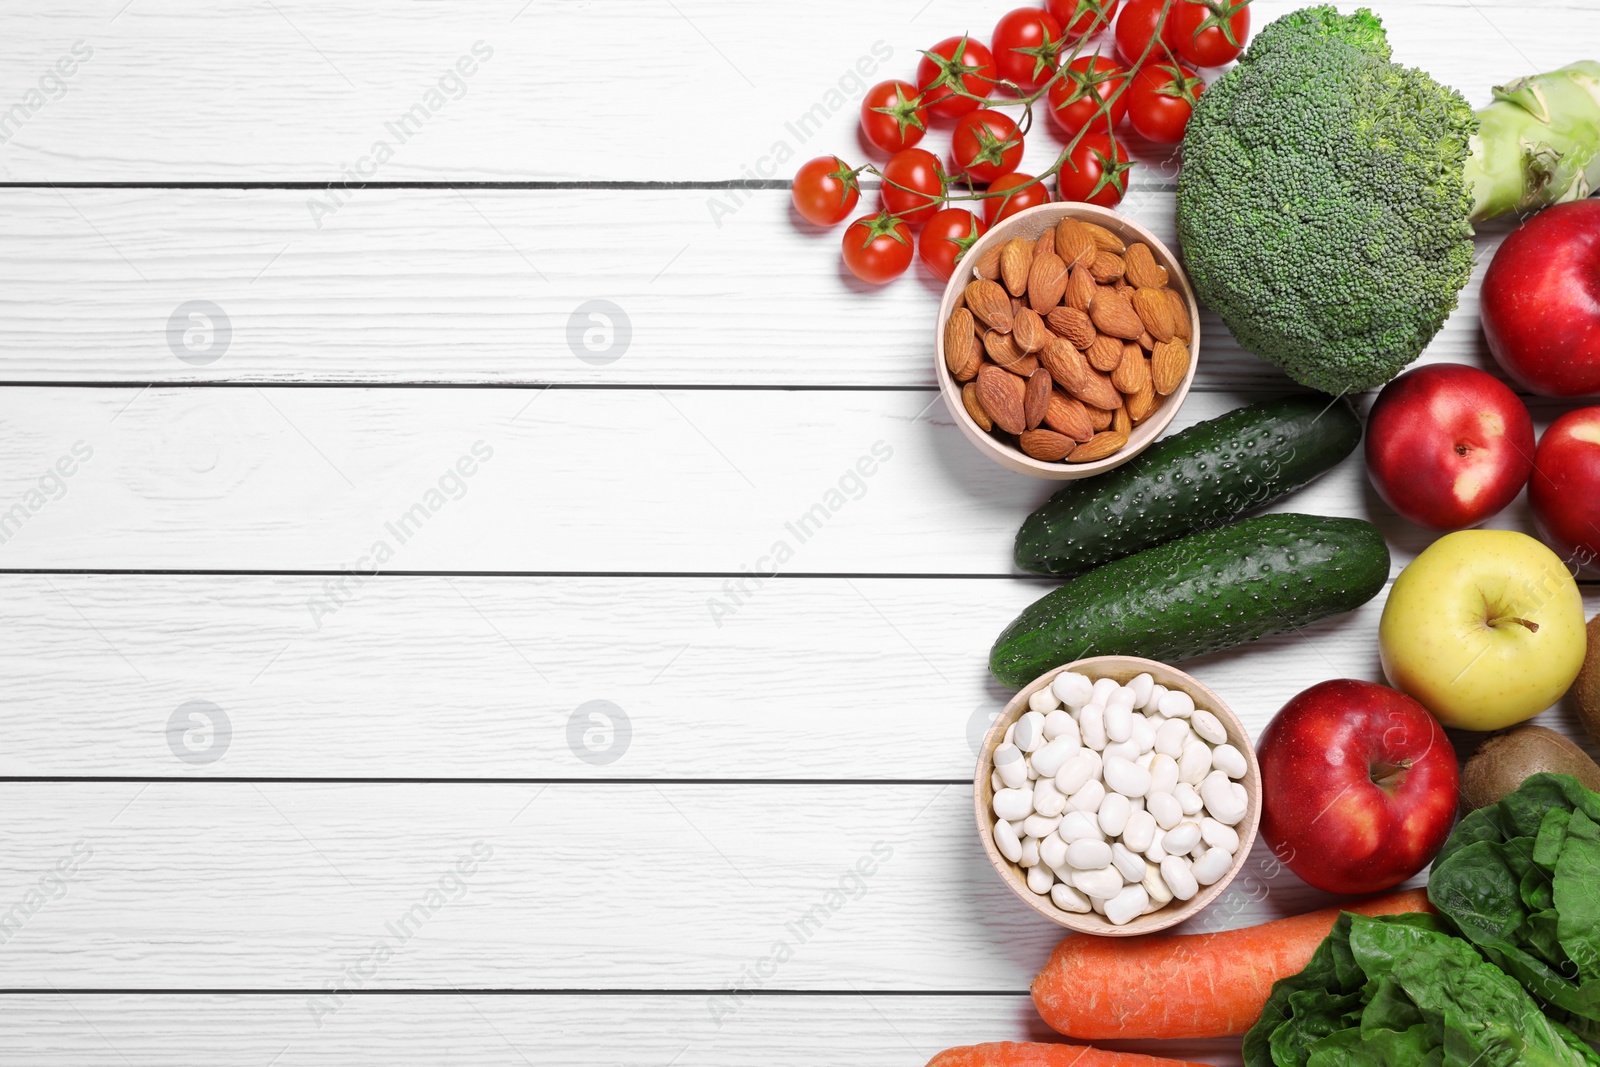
(1067,339)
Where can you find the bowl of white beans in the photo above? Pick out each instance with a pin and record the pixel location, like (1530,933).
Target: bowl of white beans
(1117,795)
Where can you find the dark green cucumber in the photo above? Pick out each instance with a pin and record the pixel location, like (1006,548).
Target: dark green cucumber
(1204,476)
(1202,593)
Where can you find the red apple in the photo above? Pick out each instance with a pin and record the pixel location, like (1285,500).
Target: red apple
(1359,786)
(1448,445)
(1541,301)
(1565,489)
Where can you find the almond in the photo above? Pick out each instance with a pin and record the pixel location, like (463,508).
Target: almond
(1099,418)
(1047,280)
(1142,403)
(969,400)
(1066,365)
(1169,362)
(1181,326)
(1074,243)
(1106,268)
(1133,373)
(1022,367)
(1047,445)
(1143,270)
(1105,354)
(1072,324)
(1146,342)
(1015,257)
(962,352)
(1103,238)
(1036,400)
(1096,391)
(1045,242)
(1028,330)
(1000,348)
(988,265)
(1001,395)
(1153,310)
(1068,415)
(1080,288)
(1111,313)
(1100,446)
(990,304)
(1120,421)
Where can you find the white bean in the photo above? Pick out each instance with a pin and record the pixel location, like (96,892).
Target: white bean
(1219,835)
(1146,759)
(1063,896)
(1079,826)
(1013,804)
(1047,799)
(1060,723)
(1195,763)
(1007,841)
(1092,726)
(1166,809)
(1178,840)
(1072,688)
(1222,804)
(1032,774)
(1152,906)
(1176,704)
(1089,855)
(1127,750)
(1010,737)
(1188,798)
(996,783)
(1104,883)
(1076,771)
(1043,701)
(1163,773)
(1154,884)
(1053,851)
(1114,812)
(1153,701)
(1144,732)
(1170,736)
(1127,778)
(1212,866)
(1030,731)
(1103,688)
(1140,831)
(1156,852)
(1088,798)
(1209,727)
(1040,879)
(1141,686)
(1098,904)
(1040,825)
(1128,862)
(1229,760)
(1180,879)
(1030,852)
(1119,722)
(1052,754)
(1127,905)
(1010,765)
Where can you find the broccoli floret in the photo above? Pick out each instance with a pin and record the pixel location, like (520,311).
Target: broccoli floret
(1322,207)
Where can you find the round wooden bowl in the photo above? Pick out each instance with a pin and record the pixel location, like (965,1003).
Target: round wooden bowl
(1123,669)
(1030,224)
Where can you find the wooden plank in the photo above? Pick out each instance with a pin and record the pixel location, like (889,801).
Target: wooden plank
(498,678)
(307,91)
(243,886)
(488,286)
(509,1031)
(595,481)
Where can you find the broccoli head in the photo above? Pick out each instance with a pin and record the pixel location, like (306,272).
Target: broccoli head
(1322,208)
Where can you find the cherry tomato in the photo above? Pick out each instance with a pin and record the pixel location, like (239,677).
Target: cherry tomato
(825,191)
(1027,47)
(1161,99)
(1080,18)
(1076,96)
(942,65)
(877,248)
(1096,172)
(946,238)
(917,188)
(996,208)
(985,145)
(1135,28)
(1209,33)
(892,116)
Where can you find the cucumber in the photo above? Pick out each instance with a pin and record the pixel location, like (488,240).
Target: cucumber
(1208,591)
(1204,476)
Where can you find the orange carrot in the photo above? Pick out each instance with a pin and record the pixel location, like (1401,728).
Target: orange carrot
(1185,985)
(1039,1054)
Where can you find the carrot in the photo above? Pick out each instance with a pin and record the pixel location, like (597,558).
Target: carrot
(1185,985)
(1041,1054)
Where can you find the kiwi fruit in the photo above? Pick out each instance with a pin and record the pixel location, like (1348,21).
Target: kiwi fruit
(1501,764)
(1586,690)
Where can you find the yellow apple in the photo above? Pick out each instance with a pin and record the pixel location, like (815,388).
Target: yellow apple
(1485,628)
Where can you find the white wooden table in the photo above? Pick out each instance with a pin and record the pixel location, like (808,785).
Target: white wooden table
(390,830)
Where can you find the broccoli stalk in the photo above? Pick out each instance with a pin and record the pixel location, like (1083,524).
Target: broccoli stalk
(1327,195)
(1538,144)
